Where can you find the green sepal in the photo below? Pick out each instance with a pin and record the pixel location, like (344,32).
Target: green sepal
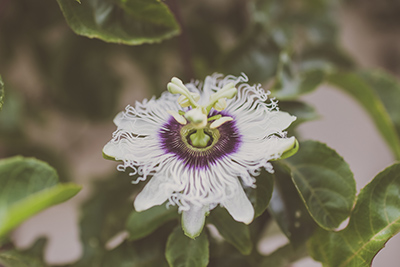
(290,152)
(105,156)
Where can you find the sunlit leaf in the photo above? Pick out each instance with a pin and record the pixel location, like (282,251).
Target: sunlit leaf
(236,233)
(287,208)
(324,181)
(132,22)
(183,251)
(354,85)
(141,224)
(28,186)
(375,219)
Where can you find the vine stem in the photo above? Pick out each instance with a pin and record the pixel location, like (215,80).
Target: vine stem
(184,44)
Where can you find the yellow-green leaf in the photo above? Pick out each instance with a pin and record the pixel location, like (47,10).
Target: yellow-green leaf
(28,186)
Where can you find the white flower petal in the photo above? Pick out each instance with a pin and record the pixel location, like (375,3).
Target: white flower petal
(193,220)
(118,118)
(111,149)
(153,194)
(239,206)
(260,123)
(280,120)
(138,126)
(139,149)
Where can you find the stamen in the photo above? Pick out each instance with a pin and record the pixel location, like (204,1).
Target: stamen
(216,117)
(176,86)
(178,117)
(219,122)
(220,104)
(228,91)
(184,101)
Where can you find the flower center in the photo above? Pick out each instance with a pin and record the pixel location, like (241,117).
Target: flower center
(201,136)
(190,136)
(175,139)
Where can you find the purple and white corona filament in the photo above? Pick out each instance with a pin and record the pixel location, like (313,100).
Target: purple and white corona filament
(199,145)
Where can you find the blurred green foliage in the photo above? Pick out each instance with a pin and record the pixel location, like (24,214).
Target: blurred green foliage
(289,46)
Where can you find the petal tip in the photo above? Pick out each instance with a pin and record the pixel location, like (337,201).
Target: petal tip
(193,221)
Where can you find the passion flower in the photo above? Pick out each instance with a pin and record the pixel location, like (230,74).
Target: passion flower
(199,145)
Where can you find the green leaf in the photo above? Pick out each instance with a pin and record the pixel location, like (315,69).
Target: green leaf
(302,111)
(236,233)
(375,219)
(290,84)
(1,93)
(131,22)
(146,252)
(32,257)
(288,210)
(141,254)
(256,56)
(12,117)
(28,187)
(283,256)
(261,195)
(183,251)
(326,57)
(325,183)
(387,88)
(34,203)
(354,85)
(141,224)
(309,24)
(104,215)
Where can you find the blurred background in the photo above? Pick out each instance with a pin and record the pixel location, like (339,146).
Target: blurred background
(63,90)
